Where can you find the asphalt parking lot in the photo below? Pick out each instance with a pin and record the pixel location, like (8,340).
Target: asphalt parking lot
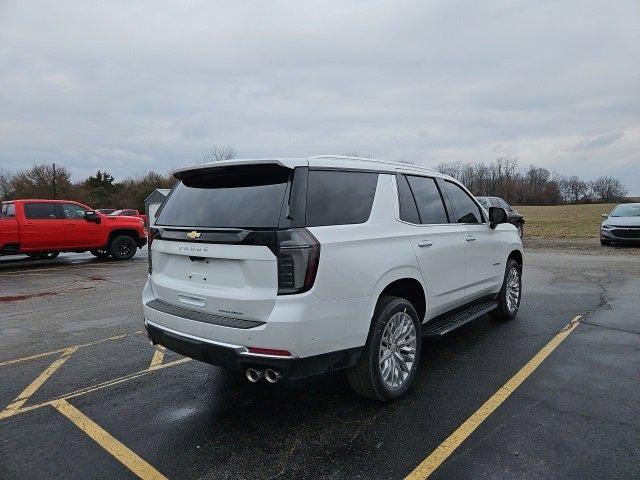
(84,395)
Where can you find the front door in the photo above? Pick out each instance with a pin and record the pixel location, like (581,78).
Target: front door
(78,231)
(483,269)
(437,243)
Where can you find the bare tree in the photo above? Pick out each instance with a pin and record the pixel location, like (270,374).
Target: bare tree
(37,182)
(406,162)
(218,153)
(608,189)
(5,184)
(573,189)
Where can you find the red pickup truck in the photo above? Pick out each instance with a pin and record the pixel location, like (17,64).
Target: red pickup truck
(44,228)
(129,212)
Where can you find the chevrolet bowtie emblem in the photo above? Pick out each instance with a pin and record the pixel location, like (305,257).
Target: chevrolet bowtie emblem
(193,235)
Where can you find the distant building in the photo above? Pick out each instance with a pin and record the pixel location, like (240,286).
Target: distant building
(152,203)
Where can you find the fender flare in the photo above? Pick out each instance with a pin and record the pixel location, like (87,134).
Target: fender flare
(390,276)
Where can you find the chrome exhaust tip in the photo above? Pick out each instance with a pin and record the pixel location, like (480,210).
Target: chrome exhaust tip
(253,375)
(272,376)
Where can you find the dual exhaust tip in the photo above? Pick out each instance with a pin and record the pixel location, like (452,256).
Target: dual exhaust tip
(270,375)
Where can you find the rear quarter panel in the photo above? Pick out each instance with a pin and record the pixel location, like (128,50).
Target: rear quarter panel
(361,260)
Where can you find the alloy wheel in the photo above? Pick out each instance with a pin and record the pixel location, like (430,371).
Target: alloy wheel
(513,289)
(397,350)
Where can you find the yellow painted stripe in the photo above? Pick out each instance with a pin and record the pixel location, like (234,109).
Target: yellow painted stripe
(99,386)
(53,352)
(158,356)
(446,448)
(37,383)
(103,438)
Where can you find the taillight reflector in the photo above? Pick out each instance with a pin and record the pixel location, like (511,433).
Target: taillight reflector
(270,351)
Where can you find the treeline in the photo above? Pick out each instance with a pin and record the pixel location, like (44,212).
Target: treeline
(501,178)
(532,186)
(97,191)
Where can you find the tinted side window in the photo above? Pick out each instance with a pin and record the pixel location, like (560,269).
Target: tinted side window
(466,210)
(73,211)
(428,199)
(408,210)
(39,211)
(339,198)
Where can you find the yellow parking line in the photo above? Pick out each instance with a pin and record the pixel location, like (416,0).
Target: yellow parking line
(158,356)
(103,438)
(446,448)
(93,388)
(53,352)
(36,384)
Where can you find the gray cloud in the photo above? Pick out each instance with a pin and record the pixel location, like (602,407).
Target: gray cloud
(598,142)
(133,86)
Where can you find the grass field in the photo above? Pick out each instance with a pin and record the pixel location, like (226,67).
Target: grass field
(564,221)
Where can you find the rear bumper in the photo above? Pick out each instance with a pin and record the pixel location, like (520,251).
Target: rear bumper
(238,357)
(141,241)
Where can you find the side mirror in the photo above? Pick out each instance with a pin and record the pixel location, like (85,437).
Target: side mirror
(497,215)
(91,216)
(605,215)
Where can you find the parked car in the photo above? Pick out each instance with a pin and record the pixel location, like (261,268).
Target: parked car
(105,211)
(294,267)
(44,228)
(129,212)
(622,225)
(513,217)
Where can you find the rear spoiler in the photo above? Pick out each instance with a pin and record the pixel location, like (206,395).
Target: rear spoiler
(283,162)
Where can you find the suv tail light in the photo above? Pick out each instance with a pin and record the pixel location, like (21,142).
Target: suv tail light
(298,256)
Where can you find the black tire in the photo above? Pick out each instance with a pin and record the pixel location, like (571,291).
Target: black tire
(123,247)
(366,376)
(506,309)
(605,243)
(101,253)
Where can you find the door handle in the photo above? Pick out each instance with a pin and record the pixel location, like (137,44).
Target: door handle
(470,238)
(425,243)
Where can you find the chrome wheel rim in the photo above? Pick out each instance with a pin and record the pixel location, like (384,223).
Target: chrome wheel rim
(397,350)
(513,289)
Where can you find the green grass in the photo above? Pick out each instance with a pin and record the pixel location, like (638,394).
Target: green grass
(564,221)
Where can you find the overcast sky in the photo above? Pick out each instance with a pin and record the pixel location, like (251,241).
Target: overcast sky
(133,86)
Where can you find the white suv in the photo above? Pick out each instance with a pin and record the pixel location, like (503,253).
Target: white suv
(294,267)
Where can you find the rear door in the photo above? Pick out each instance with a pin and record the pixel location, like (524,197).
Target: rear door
(483,267)
(438,244)
(215,240)
(42,229)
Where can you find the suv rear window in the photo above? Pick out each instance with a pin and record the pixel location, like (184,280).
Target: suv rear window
(227,197)
(339,197)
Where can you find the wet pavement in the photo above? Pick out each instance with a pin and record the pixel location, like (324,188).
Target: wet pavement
(576,416)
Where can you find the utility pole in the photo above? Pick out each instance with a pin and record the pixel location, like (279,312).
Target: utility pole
(54,181)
